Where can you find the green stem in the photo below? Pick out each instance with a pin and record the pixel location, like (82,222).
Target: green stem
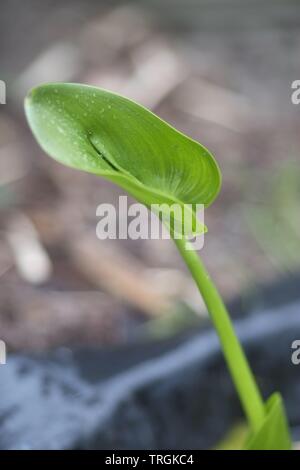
(241,373)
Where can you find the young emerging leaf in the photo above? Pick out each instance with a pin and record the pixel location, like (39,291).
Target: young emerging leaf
(103,133)
(106,134)
(274,433)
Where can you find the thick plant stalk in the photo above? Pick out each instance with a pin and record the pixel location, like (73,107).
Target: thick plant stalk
(240,371)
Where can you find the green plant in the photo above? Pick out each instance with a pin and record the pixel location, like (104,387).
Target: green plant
(108,135)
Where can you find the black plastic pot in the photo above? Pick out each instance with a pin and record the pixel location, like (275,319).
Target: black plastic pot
(169,395)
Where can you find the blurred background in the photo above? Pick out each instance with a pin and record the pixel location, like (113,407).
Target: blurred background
(221,72)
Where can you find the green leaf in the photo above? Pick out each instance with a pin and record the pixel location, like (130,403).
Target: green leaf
(108,135)
(273,433)
(97,131)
